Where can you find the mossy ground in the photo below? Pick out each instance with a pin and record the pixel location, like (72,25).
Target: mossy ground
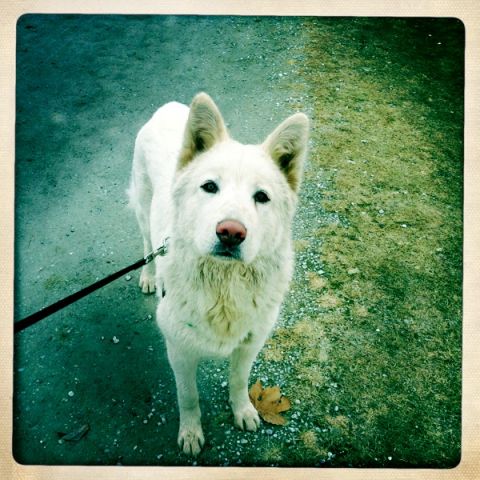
(380,364)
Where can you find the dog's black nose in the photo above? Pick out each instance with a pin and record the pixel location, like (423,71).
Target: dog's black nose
(231,233)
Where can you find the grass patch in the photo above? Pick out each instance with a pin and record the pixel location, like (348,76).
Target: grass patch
(379,368)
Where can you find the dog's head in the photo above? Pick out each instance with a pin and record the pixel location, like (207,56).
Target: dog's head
(235,201)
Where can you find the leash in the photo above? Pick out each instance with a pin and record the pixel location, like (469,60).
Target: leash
(54,307)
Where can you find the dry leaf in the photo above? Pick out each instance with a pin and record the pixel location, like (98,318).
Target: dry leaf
(269,403)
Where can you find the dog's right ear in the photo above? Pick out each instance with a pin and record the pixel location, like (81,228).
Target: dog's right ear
(205,127)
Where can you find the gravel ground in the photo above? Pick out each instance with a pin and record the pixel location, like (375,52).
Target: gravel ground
(85,85)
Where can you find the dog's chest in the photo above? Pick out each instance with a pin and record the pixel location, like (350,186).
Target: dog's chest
(213,312)
(229,312)
(210,329)
(226,312)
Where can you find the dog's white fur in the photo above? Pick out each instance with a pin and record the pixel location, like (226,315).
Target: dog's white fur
(215,306)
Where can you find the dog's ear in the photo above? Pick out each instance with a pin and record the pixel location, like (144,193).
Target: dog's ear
(287,145)
(205,127)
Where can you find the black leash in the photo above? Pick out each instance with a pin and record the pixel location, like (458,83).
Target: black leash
(54,307)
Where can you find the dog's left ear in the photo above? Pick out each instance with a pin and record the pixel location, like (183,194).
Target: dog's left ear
(205,127)
(287,145)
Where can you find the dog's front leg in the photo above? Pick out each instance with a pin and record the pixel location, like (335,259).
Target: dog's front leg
(147,274)
(190,434)
(244,413)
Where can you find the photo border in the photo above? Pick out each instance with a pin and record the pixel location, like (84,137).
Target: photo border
(468,11)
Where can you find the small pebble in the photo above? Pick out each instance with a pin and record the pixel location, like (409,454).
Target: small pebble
(115,340)
(70,394)
(128,278)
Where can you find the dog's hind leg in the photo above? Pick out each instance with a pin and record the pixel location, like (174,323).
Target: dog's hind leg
(190,434)
(141,193)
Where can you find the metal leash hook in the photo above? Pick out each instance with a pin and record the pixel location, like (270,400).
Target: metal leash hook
(54,307)
(162,250)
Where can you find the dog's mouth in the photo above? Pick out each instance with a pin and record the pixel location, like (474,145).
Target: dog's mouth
(228,253)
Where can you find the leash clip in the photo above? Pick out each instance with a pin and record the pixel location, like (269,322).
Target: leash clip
(162,250)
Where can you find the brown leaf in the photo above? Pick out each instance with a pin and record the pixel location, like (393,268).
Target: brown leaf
(255,393)
(269,403)
(271,394)
(283,405)
(273,418)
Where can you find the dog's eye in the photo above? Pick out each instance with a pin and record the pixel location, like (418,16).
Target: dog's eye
(210,187)
(261,197)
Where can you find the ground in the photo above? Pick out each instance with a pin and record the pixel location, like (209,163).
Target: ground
(368,344)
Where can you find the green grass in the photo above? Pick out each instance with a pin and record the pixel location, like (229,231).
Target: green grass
(387,136)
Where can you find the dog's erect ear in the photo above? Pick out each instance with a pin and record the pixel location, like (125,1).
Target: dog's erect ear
(205,127)
(287,145)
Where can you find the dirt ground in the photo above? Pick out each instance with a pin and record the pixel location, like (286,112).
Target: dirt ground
(85,85)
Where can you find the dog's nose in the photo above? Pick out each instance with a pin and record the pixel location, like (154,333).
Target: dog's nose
(231,233)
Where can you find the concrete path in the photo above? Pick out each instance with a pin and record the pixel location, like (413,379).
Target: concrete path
(85,85)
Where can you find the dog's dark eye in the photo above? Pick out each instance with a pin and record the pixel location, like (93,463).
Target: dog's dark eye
(261,197)
(210,187)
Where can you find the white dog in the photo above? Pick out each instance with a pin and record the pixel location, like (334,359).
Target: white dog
(227,210)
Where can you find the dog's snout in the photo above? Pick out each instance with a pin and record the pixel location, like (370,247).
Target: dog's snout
(231,233)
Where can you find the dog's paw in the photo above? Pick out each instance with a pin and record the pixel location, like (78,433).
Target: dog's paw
(147,281)
(191,440)
(246,418)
